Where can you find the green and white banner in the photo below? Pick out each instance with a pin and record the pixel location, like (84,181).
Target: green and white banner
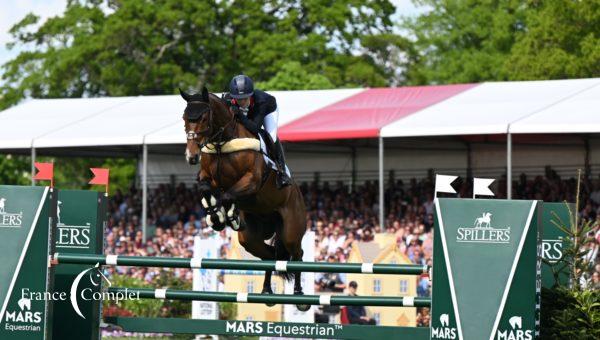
(26,217)
(81,220)
(487,269)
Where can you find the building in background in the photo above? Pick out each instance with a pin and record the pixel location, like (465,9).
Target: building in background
(384,251)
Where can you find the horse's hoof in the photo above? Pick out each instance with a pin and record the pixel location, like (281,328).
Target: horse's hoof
(268,291)
(303,308)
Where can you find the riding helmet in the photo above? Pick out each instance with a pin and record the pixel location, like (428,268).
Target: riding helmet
(241,86)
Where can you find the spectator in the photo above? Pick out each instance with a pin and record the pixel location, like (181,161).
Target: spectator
(335,241)
(357,314)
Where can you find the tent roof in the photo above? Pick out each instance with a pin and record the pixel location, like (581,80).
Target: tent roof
(580,109)
(488,108)
(364,114)
(81,122)
(291,104)
(530,107)
(33,119)
(125,124)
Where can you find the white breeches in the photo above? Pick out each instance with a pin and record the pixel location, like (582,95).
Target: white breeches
(270,123)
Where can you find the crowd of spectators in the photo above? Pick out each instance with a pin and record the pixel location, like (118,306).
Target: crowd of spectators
(337,215)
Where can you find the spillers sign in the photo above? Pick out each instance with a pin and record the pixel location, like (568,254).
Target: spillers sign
(8,218)
(71,235)
(487,269)
(482,231)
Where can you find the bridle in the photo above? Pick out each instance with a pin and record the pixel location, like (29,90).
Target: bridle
(214,138)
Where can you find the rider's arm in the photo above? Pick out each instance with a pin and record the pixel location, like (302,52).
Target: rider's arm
(248,124)
(255,124)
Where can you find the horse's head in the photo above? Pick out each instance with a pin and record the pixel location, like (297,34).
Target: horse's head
(196,116)
(206,118)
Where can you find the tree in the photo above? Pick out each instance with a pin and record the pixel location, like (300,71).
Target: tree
(475,41)
(395,55)
(293,76)
(562,40)
(118,48)
(463,41)
(14,170)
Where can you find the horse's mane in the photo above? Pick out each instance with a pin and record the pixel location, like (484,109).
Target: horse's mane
(218,99)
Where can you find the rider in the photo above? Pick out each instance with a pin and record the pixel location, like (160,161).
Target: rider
(257,111)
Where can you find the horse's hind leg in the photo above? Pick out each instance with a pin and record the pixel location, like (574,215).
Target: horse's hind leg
(252,240)
(294,227)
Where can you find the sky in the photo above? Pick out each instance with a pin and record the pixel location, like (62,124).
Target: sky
(11,11)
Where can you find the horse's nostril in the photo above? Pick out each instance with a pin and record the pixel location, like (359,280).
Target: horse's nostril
(193,160)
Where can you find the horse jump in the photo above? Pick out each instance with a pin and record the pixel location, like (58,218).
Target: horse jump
(487,280)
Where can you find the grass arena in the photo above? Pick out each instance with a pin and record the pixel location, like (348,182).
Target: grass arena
(484,285)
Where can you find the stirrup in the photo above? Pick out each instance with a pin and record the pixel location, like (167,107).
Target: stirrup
(282,180)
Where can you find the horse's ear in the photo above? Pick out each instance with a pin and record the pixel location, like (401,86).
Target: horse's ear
(204,94)
(184,95)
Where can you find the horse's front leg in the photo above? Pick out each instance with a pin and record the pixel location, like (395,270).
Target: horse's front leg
(247,185)
(215,213)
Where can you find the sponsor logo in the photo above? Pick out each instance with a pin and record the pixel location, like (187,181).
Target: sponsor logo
(445,331)
(95,277)
(552,250)
(516,331)
(482,231)
(71,236)
(9,219)
(24,319)
(281,330)
(92,292)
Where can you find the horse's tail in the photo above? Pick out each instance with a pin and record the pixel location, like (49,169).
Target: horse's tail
(282,254)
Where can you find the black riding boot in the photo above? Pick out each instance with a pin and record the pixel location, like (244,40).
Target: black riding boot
(282,177)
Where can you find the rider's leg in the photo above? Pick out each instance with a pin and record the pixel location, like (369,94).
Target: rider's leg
(270,124)
(282,176)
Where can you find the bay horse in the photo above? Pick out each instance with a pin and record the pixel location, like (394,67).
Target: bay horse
(238,186)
